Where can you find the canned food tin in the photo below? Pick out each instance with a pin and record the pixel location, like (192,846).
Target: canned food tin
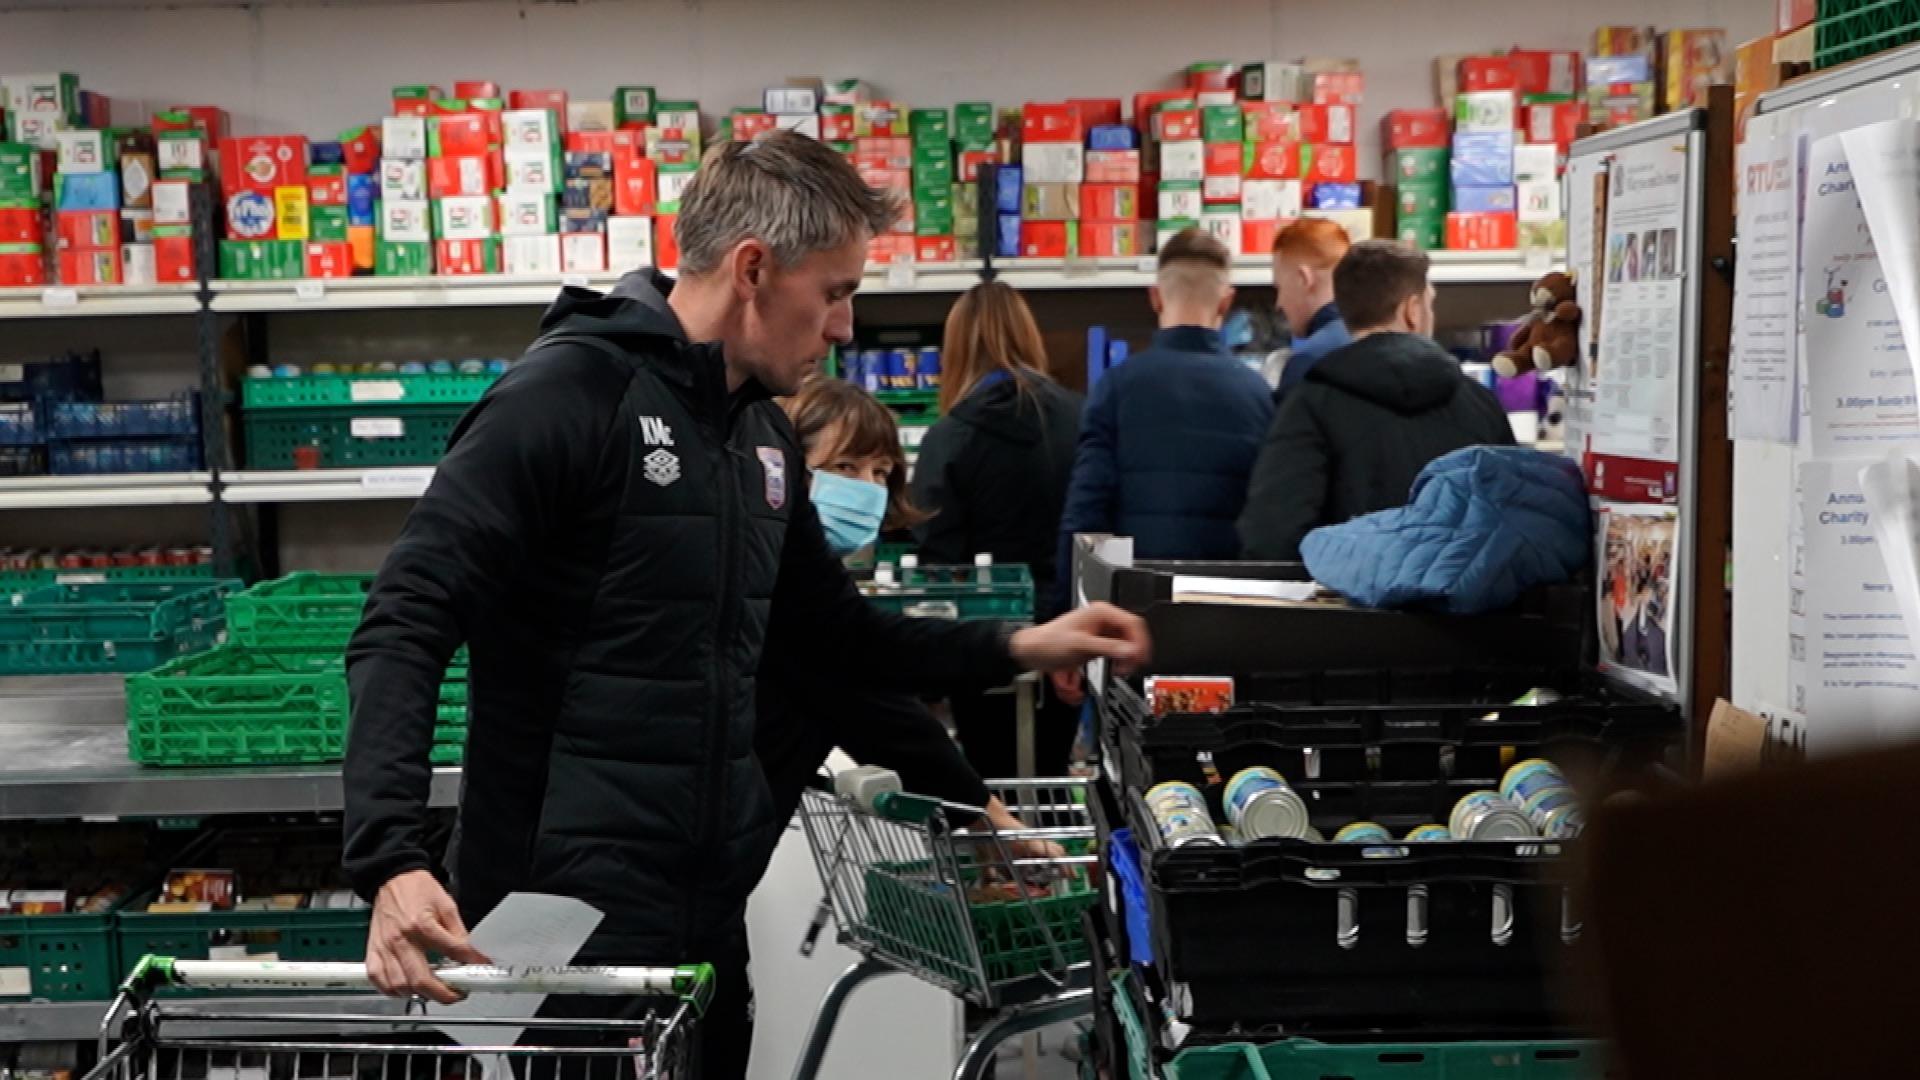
(901,367)
(1485,815)
(928,375)
(1314,835)
(1259,803)
(1181,813)
(1363,832)
(1529,777)
(1428,834)
(873,370)
(1563,822)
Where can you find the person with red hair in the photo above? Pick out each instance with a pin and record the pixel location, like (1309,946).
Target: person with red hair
(1304,255)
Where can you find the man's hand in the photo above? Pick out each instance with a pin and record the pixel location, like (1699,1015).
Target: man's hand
(1067,685)
(1003,821)
(1083,634)
(411,915)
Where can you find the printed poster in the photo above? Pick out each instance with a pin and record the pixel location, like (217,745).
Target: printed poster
(1860,384)
(1633,447)
(1885,162)
(1585,182)
(1862,677)
(1765,395)
(1638,548)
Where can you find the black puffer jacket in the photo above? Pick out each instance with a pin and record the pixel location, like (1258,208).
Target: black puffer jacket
(618,538)
(1351,438)
(994,474)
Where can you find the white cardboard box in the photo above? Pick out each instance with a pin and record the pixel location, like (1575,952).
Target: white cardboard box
(406,221)
(526,213)
(82,151)
(1536,163)
(583,253)
(402,178)
(527,130)
(1053,163)
(629,242)
(532,254)
(137,265)
(464,217)
(1539,201)
(1183,160)
(531,172)
(172,202)
(404,137)
(1270,200)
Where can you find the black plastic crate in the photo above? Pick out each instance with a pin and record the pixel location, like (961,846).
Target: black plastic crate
(1324,938)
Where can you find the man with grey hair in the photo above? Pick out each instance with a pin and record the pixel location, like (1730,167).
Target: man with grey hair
(620,530)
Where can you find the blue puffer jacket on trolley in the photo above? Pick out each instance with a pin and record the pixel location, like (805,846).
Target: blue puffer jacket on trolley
(1482,526)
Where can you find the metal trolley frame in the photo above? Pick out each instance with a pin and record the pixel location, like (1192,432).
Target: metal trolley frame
(965,908)
(142,1038)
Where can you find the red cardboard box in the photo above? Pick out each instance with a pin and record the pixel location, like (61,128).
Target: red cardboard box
(81,230)
(413,107)
(934,249)
(1045,239)
(1051,123)
(1338,87)
(212,120)
(837,126)
(91,267)
(1487,73)
(263,162)
(971,160)
(1094,112)
(1212,76)
(1275,160)
(1324,124)
(589,142)
(329,259)
(1558,123)
(1333,164)
(750,126)
(1790,15)
(636,187)
(1542,71)
(1108,239)
(1109,202)
(469,174)
(362,149)
(21,226)
(479,88)
(1146,101)
(328,190)
(541,99)
(891,248)
(1482,232)
(666,246)
(1224,159)
(1256,237)
(1267,120)
(460,257)
(882,118)
(1113,167)
(887,152)
(173,259)
(1175,125)
(465,135)
(25,268)
(1412,129)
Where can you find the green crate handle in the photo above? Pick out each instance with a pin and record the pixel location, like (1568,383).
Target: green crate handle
(905,808)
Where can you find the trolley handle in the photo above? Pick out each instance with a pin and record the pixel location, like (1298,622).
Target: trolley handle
(691,983)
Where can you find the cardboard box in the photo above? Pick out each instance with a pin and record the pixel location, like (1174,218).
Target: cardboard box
(1340,196)
(1423,233)
(1176,124)
(1047,239)
(461,135)
(1492,199)
(1422,202)
(328,224)
(403,179)
(1110,202)
(1278,160)
(173,258)
(579,219)
(583,253)
(263,162)
(1222,124)
(531,255)
(1538,201)
(1405,129)
(251,215)
(1557,123)
(1166,229)
(138,171)
(1358,224)
(137,265)
(879,118)
(329,259)
(672,182)
(290,212)
(1420,166)
(1050,202)
(533,131)
(1333,164)
(629,243)
(54,92)
(1053,162)
(86,191)
(882,250)
(1539,71)
(555,101)
(1270,200)
(466,258)
(927,127)
(1696,60)
(1339,88)
(403,138)
(1482,159)
(635,187)
(86,229)
(837,123)
(136,227)
(326,186)
(406,221)
(83,151)
(1223,224)
(21,225)
(526,213)
(1183,160)
(540,173)
(935,249)
(1273,81)
(1112,167)
(1604,71)
(1265,121)
(1790,15)
(1484,111)
(1482,232)
(1536,164)
(1257,237)
(90,266)
(1319,124)
(1218,190)
(21,268)
(450,177)
(748,126)
(1181,199)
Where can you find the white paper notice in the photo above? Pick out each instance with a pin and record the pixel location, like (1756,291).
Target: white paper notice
(1892,488)
(1862,676)
(1885,162)
(1860,383)
(1636,372)
(526,930)
(1766,342)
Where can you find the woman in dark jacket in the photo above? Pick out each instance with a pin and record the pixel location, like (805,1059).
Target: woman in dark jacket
(993,475)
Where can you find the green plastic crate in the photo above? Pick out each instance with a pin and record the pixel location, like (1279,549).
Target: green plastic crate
(958,592)
(300,935)
(302,610)
(350,436)
(1013,934)
(365,393)
(65,957)
(1133,1028)
(14,582)
(115,627)
(244,706)
(1306,1059)
(1847,30)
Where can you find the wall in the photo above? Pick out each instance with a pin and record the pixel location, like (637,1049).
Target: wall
(315,69)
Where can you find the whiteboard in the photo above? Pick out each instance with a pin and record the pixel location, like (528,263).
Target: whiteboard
(1765,474)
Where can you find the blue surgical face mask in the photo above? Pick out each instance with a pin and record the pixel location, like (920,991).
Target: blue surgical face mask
(850,511)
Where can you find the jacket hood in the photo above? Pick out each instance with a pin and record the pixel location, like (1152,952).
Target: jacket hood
(1403,372)
(637,304)
(1001,410)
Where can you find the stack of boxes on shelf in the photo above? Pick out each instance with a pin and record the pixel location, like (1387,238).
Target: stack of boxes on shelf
(883,152)
(975,144)
(1622,76)
(36,109)
(1766,63)
(935,217)
(1052,169)
(264,181)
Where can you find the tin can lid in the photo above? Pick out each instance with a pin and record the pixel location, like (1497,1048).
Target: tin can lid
(1277,812)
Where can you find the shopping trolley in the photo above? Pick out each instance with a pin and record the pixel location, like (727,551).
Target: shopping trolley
(142,1038)
(916,887)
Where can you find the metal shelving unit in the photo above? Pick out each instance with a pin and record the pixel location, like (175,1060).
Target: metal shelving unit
(120,489)
(325,485)
(58,301)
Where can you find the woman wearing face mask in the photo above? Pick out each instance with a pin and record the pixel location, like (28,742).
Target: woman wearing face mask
(859,471)
(992,478)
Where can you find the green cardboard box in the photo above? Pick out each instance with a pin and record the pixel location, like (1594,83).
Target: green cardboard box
(633,104)
(973,125)
(263,260)
(18,178)
(1425,167)
(1422,201)
(327,223)
(402,259)
(933,179)
(930,127)
(1222,123)
(1428,233)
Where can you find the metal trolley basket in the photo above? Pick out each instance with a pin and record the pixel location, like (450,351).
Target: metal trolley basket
(145,1039)
(976,911)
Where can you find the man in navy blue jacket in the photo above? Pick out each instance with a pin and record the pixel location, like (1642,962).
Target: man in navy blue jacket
(1169,437)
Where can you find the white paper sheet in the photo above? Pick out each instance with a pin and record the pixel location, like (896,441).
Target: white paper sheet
(525,930)
(1635,377)
(1862,675)
(1764,402)
(1194,588)
(1885,161)
(1859,378)
(1892,488)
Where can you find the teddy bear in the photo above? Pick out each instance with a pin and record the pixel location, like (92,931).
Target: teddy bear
(1550,338)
